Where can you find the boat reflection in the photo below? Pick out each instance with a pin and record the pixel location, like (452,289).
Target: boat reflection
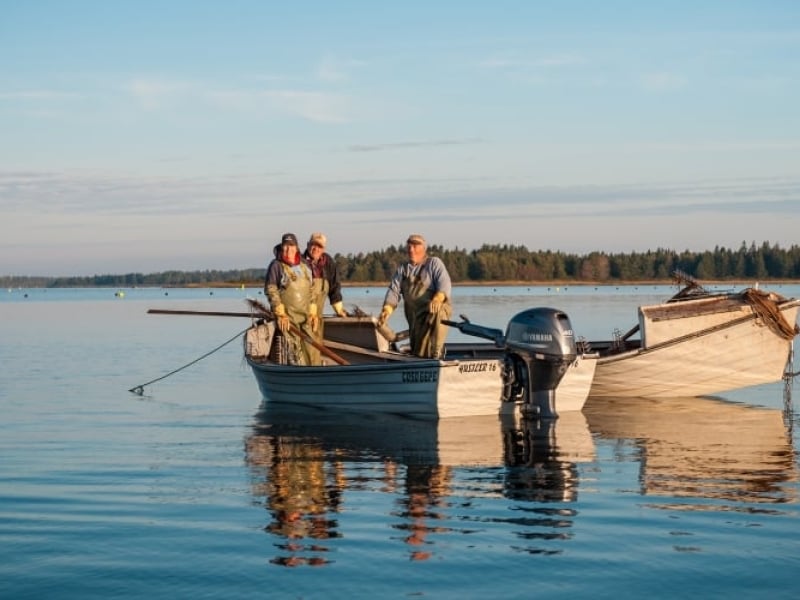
(712,451)
(308,465)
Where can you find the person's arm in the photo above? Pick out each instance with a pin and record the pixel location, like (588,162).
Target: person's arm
(272,284)
(440,277)
(392,297)
(335,286)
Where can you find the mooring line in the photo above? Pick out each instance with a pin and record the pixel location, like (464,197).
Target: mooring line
(139,389)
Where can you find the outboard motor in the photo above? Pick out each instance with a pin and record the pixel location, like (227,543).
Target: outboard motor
(542,338)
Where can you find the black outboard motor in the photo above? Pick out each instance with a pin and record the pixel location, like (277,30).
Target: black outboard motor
(542,338)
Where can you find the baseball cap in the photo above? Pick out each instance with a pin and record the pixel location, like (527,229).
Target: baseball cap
(319,239)
(289,238)
(415,238)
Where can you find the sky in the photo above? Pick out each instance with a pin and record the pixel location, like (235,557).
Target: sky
(152,135)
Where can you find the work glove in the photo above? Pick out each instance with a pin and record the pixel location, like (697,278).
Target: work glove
(386,312)
(436,302)
(282,318)
(313,318)
(338,308)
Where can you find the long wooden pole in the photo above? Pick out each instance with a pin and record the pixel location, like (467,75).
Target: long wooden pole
(261,314)
(203,313)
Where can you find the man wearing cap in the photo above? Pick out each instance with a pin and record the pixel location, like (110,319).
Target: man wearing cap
(424,285)
(288,288)
(325,280)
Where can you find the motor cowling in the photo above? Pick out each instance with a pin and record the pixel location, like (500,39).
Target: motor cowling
(542,338)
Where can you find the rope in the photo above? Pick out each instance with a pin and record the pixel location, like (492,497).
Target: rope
(769,313)
(139,389)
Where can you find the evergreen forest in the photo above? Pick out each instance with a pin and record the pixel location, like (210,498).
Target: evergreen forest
(490,264)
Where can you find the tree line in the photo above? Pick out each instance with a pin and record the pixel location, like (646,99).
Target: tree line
(490,263)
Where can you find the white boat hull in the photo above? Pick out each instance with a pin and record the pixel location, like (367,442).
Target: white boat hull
(380,380)
(430,388)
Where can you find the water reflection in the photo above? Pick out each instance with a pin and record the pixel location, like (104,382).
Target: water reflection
(723,455)
(309,465)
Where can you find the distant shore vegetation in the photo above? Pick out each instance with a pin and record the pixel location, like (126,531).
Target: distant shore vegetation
(489,264)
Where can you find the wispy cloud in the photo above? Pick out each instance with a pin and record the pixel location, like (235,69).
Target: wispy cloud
(543,62)
(322,107)
(318,106)
(154,94)
(43,95)
(663,81)
(335,70)
(413,145)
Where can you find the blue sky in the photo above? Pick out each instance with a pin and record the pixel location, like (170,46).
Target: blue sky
(153,135)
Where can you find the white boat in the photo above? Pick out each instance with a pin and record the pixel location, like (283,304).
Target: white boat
(700,343)
(535,370)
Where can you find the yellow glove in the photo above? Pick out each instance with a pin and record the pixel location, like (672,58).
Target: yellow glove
(386,312)
(282,318)
(338,308)
(436,302)
(313,319)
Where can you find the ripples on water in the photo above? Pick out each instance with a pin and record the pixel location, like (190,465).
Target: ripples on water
(195,490)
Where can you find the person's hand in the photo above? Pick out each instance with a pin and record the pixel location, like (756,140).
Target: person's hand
(338,308)
(283,323)
(313,318)
(436,302)
(282,318)
(386,312)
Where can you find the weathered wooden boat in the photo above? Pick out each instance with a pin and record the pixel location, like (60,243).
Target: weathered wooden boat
(534,368)
(700,343)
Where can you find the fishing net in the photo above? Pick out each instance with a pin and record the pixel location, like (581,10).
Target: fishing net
(767,310)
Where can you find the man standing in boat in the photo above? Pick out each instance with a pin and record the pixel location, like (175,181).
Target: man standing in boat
(324,284)
(424,285)
(288,287)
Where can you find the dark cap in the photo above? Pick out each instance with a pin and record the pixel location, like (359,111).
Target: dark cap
(289,238)
(415,238)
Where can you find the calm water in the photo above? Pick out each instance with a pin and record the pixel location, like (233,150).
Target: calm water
(195,490)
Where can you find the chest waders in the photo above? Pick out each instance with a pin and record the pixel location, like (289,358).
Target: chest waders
(319,292)
(426,332)
(295,295)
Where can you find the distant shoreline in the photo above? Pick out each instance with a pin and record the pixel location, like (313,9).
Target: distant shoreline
(519,283)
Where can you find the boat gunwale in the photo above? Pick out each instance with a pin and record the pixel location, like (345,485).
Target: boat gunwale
(614,357)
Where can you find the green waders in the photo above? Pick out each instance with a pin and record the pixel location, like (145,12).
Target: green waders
(426,332)
(296,297)
(319,291)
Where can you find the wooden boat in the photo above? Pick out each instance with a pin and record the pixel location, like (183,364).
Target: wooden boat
(534,368)
(700,343)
